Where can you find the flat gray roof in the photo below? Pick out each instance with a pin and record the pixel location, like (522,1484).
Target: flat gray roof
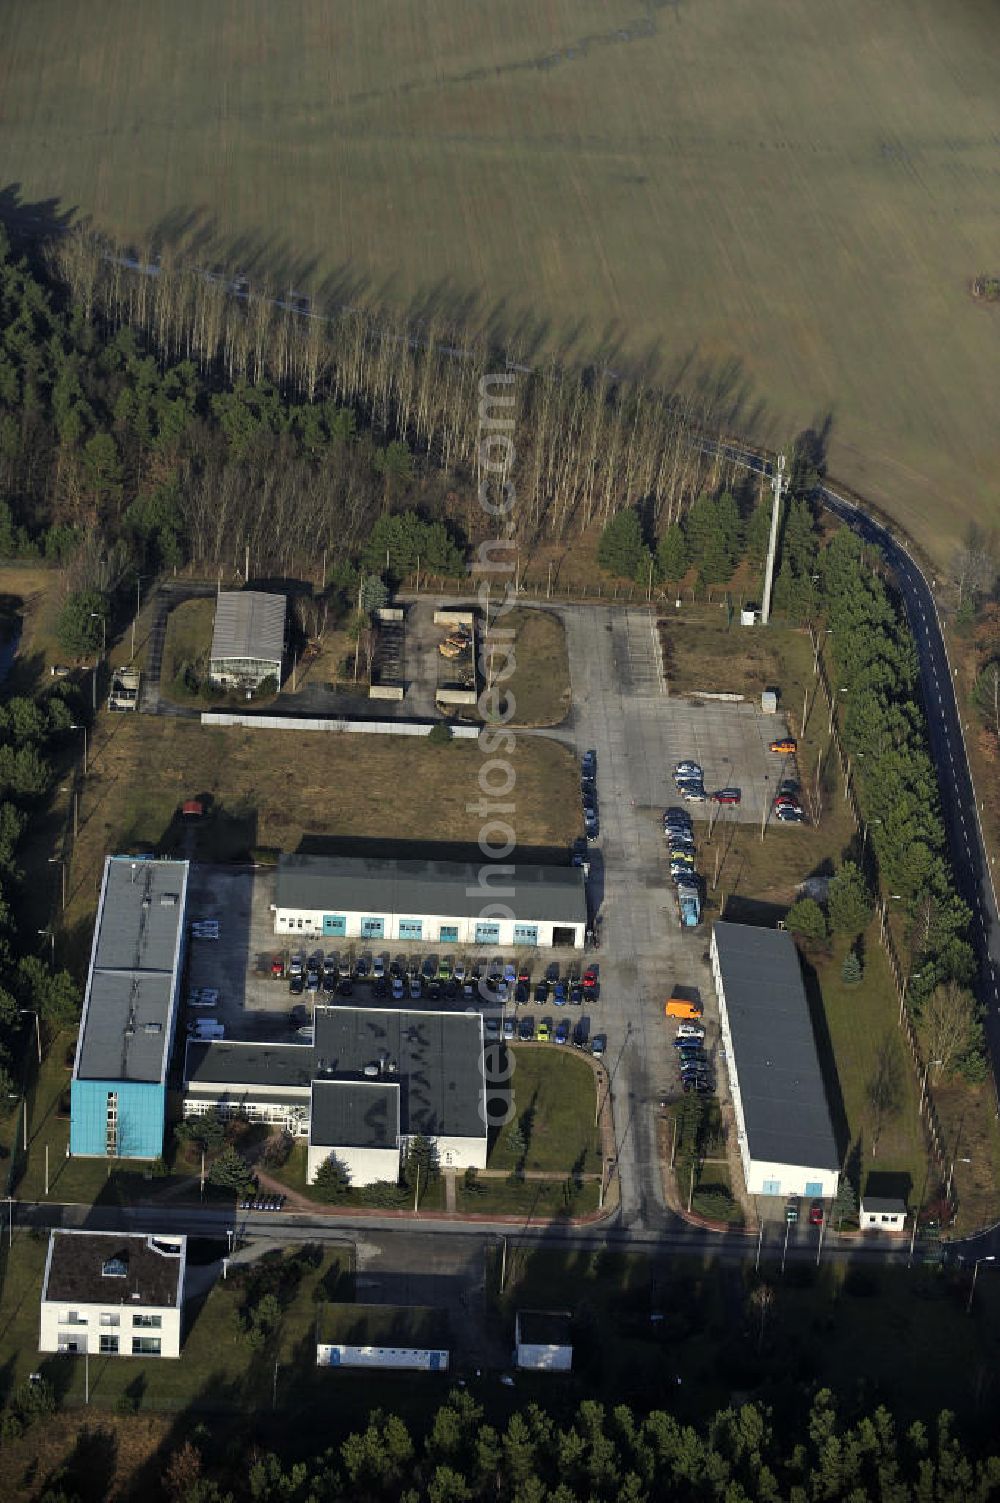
(785,1110)
(435,1058)
(248,624)
(108,1268)
(127,1021)
(882,1206)
(354,1114)
(545,1327)
(360,884)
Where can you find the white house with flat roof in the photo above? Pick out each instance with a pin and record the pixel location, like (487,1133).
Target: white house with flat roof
(783,1125)
(434,902)
(372,1079)
(113,1294)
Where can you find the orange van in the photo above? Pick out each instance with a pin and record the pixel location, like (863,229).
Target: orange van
(682,1007)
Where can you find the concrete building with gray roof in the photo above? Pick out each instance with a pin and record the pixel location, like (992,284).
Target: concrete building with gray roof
(783,1125)
(434,902)
(372,1079)
(130,1009)
(248,640)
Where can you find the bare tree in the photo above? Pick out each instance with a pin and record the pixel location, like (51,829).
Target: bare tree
(762,1298)
(885,1087)
(974,565)
(949,1026)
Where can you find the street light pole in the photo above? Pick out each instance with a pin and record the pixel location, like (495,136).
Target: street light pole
(82,728)
(975,1273)
(60,862)
(24,1012)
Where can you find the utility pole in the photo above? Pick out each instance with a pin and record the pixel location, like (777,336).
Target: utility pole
(784,1250)
(503,1252)
(691,1190)
(777,485)
(274,1388)
(548,587)
(760,1239)
(416,1192)
(46,1169)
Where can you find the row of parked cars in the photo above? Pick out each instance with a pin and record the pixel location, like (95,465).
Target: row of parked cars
(262,1202)
(588,794)
(693,1061)
(436,977)
(678,832)
(546,1032)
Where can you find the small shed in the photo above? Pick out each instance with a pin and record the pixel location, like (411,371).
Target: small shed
(543,1340)
(749,615)
(769,702)
(882,1214)
(400,1337)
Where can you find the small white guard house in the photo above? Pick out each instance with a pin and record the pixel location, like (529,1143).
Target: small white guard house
(783,1123)
(113,1294)
(432,902)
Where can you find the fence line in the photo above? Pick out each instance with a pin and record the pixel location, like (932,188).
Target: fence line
(928,1111)
(336,724)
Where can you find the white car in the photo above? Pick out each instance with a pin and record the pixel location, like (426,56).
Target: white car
(397,989)
(459,973)
(690,1031)
(378,967)
(687,770)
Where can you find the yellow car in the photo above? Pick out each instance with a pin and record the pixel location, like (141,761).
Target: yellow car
(544,1033)
(784,744)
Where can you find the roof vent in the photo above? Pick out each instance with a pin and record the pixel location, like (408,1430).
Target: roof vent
(116,1267)
(152,1028)
(136,1295)
(168,900)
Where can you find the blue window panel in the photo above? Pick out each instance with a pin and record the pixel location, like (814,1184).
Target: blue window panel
(814,1188)
(411,928)
(526,934)
(487,934)
(335,923)
(448,934)
(139,1124)
(772,1187)
(372,928)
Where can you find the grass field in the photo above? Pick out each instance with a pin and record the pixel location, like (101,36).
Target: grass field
(540,681)
(780,205)
(553,1099)
(188,639)
(280,785)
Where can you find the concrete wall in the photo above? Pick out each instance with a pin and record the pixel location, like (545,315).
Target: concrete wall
(455,697)
(365,1165)
(454,618)
(335,723)
(399,1358)
(287,920)
(548,1359)
(56,1331)
(386,691)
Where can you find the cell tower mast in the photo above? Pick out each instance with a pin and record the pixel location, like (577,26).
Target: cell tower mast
(777,485)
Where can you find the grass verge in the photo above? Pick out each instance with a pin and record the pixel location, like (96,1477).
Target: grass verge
(552,1130)
(540,684)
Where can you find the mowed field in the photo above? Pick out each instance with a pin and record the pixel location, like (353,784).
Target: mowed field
(778,203)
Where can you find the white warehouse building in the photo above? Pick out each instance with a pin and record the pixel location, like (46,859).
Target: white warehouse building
(372,1079)
(433,902)
(113,1294)
(783,1122)
(248,639)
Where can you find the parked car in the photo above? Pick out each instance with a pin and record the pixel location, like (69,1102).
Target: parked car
(491,1030)
(544,1031)
(786,745)
(398,988)
(576,996)
(690,1031)
(345,967)
(312,981)
(692,795)
(561,1035)
(588,764)
(816,1213)
(527,1029)
(598,1045)
(727,795)
(330,984)
(590,978)
(552,972)
(687,769)
(415,989)
(559,994)
(591,824)
(444,969)
(296,985)
(429,968)
(378,967)
(789,785)
(459,973)
(792,1207)
(278,966)
(522,993)
(589,798)
(581,1033)
(509,1028)
(380,988)
(541,992)
(791,816)
(346,987)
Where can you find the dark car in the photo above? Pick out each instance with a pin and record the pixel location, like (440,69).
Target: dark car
(296,986)
(598,1045)
(521,993)
(561,1035)
(790,816)
(362,968)
(581,1033)
(588,764)
(541,992)
(591,824)
(329,984)
(727,795)
(589,798)
(346,987)
(527,1029)
(576,996)
(429,969)
(552,971)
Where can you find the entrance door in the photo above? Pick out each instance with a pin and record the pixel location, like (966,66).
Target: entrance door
(411,929)
(814,1189)
(526,934)
(487,934)
(372,928)
(335,923)
(448,934)
(772,1187)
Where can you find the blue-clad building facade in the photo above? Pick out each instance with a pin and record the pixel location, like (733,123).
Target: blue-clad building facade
(118,1094)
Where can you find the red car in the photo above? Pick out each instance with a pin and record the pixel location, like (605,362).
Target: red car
(816,1213)
(278,966)
(590,978)
(784,801)
(728,796)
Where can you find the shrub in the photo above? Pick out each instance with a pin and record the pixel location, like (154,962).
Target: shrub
(332,1182)
(440,734)
(851,971)
(806,920)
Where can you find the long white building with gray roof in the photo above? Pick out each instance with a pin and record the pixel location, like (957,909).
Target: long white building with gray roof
(248,640)
(433,902)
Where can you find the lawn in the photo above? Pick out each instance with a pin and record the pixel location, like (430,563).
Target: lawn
(531,1199)
(30,598)
(770,205)
(553,1099)
(539,684)
(860,1021)
(293,1176)
(704,653)
(273,788)
(187,640)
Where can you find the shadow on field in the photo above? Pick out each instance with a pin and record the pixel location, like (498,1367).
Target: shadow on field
(372,849)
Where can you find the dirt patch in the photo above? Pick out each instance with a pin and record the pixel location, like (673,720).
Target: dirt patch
(540,681)
(734,660)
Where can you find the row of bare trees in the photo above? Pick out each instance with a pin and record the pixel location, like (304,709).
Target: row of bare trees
(573,445)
